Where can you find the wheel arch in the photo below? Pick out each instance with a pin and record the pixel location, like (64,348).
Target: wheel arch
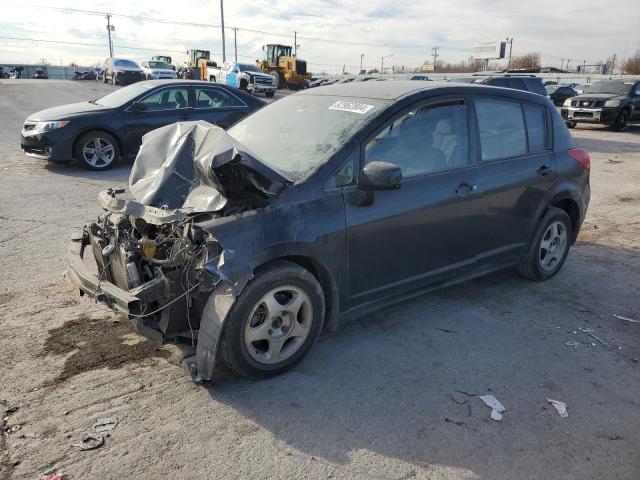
(566,202)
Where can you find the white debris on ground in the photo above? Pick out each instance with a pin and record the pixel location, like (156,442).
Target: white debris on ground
(494,404)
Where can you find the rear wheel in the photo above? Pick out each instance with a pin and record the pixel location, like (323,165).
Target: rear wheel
(549,247)
(622,122)
(243,85)
(97,150)
(572,124)
(275,322)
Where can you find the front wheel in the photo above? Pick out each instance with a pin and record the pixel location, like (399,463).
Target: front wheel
(572,124)
(269,93)
(275,322)
(622,122)
(550,246)
(97,150)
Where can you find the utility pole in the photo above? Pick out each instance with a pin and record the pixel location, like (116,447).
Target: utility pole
(361,57)
(382,62)
(295,43)
(584,66)
(510,40)
(109,29)
(567,67)
(235,42)
(561,63)
(613,62)
(224,52)
(434,53)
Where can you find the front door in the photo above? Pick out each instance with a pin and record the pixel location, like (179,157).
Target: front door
(429,228)
(517,170)
(161,107)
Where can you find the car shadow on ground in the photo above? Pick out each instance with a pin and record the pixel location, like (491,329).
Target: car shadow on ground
(118,174)
(404,383)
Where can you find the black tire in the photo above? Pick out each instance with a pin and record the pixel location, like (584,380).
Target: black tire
(104,139)
(532,267)
(243,85)
(104,77)
(281,273)
(212,79)
(622,122)
(572,124)
(282,83)
(269,93)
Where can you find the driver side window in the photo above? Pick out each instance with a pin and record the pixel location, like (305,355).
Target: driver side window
(423,140)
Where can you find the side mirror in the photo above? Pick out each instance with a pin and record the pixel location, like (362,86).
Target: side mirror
(380,176)
(139,107)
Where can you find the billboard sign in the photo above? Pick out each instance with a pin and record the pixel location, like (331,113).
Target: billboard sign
(489,50)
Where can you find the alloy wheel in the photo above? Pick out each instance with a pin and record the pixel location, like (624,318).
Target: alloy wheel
(553,246)
(98,152)
(278,325)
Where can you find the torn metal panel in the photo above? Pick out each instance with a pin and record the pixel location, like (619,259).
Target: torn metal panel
(180,166)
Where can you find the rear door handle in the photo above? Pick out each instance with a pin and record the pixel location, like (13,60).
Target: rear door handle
(543,171)
(465,189)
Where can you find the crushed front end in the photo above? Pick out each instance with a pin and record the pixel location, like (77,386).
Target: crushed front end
(152,265)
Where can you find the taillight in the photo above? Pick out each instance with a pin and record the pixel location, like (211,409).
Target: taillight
(581,156)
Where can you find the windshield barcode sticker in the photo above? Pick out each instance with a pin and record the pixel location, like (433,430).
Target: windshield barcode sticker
(353,107)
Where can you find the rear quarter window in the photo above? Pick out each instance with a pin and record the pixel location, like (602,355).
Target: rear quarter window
(534,116)
(534,85)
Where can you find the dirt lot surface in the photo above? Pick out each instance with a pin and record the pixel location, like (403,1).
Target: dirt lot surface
(381,399)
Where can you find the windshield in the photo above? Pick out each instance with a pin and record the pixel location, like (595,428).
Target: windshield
(296,134)
(247,67)
(617,88)
(123,95)
(125,63)
(159,65)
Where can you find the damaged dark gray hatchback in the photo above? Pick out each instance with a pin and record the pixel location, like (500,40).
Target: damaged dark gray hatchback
(242,246)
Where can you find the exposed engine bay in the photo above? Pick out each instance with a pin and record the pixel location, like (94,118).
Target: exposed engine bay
(155,262)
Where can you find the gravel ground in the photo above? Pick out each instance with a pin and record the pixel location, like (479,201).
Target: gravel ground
(381,399)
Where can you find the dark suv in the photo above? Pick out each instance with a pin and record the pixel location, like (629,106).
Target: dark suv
(120,71)
(615,103)
(247,250)
(527,83)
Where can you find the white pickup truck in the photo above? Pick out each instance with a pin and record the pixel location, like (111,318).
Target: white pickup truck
(244,76)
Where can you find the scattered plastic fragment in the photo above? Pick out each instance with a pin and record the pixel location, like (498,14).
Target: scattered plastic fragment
(105,425)
(626,319)
(571,344)
(52,477)
(560,407)
(89,442)
(496,407)
(596,338)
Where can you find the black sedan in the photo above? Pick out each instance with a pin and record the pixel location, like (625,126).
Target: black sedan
(559,93)
(97,132)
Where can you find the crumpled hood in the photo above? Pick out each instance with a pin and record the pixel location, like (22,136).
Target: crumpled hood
(597,96)
(197,166)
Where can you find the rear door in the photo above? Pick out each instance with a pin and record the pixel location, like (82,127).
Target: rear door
(517,168)
(162,106)
(430,228)
(218,106)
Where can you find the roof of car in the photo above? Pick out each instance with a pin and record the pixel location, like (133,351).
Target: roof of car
(390,90)
(155,83)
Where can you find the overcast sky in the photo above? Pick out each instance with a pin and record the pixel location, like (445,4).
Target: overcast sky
(577,29)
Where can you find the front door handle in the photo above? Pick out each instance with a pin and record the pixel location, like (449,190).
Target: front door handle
(465,189)
(543,171)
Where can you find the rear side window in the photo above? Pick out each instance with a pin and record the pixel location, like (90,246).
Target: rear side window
(207,97)
(514,83)
(501,125)
(535,86)
(534,117)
